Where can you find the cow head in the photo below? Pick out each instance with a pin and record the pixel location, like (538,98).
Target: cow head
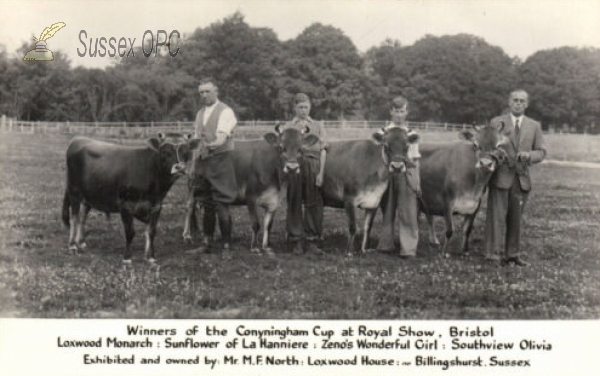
(488,142)
(289,143)
(174,151)
(395,144)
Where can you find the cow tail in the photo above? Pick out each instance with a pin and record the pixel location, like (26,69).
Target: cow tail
(65,208)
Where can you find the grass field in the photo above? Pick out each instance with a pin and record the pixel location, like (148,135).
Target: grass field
(39,278)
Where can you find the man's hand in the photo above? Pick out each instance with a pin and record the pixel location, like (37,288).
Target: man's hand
(319,181)
(524,156)
(203,153)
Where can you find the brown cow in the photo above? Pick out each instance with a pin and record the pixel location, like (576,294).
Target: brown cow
(260,169)
(130,180)
(454,177)
(357,174)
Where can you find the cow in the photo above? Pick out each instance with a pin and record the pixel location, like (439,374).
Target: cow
(260,169)
(129,180)
(357,174)
(454,176)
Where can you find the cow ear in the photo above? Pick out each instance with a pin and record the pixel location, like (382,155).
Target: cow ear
(154,143)
(271,138)
(413,137)
(465,135)
(161,136)
(377,137)
(477,127)
(310,139)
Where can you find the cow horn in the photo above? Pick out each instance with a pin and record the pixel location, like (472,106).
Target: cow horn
(306,129)
(476,126)
(277,130)
(161,136)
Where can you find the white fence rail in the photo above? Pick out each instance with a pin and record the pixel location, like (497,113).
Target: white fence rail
(142,129)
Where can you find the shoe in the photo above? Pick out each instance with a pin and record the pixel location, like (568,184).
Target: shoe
(494,258)
(313,248)
(198,251)
(314,238)
(297,248)
(205,247)
(514,260)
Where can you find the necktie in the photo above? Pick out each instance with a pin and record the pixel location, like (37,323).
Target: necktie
(517,128)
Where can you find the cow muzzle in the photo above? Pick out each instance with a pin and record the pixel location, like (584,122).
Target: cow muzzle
(178,168)
(291,167)
(488,164)
(397,167)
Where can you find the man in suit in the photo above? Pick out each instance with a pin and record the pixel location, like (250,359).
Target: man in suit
(212,170)
(511,183)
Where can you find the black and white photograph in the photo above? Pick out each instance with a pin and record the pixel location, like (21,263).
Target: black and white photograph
(260,187)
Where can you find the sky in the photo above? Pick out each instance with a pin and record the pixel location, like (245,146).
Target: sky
(520,28)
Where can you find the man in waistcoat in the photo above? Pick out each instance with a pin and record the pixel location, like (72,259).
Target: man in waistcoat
(212,170)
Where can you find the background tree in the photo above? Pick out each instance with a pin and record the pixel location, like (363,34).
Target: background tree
(324,63)
(564,85)
(456,78)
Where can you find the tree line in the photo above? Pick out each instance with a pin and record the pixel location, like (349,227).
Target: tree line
(457,79)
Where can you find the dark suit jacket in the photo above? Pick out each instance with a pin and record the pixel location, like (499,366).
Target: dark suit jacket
(530,140)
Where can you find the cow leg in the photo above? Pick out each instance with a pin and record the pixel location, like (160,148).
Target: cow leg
(267,224)
(433,240)
(351,213)
(369,217)
(73,225)
(253,211)
(150,234)
(127,219)
(467,229)
(84,210)
(190,224)
(449,231)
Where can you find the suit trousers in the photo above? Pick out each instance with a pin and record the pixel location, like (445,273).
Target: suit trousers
(303,189)
(216,187)
(402,198)
(504,210)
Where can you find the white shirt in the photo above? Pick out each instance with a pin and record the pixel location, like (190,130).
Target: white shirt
(227,120)
(514,120)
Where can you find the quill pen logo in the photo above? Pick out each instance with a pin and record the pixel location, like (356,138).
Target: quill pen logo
(40,52)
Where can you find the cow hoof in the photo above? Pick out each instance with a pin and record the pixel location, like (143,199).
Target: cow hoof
(82,246)
(350,254)
(188,240)
(127,264)
(255,251)
(73,249)
(151,261)
(446,255)
(269,251)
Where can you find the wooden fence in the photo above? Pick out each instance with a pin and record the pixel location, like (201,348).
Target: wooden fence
(143,129)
